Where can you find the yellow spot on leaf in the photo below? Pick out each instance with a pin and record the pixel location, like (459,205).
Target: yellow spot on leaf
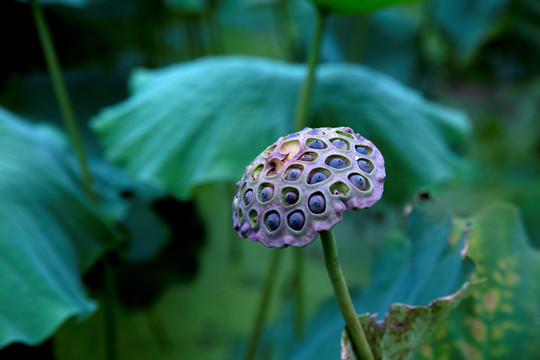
(478,329)
(491,300)
(507,308)
(497,333)
(469,351)
(426,351)
(512,279)
(498,350)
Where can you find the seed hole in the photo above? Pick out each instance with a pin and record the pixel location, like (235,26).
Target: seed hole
(341,144)
(316,132)
(309,156)
(256,172)
(359,182)
(248,196)
(291,136)
(272,220)
(365,165)
(339,188)
(317,203)
(266,192)
(253,217)
(275,166)
(294,172)
(296,220)
(318,175)
(315,144)
(337,161)
(364,150)
(290,148)
(289,196)
(269,150)
(343,133)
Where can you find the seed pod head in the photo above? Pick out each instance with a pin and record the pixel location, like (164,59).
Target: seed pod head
(303,183)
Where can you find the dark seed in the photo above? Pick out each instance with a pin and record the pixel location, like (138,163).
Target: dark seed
(337,163)
(362,150)
(317,204)
(306,157)
(248,196)
(272,221)
(340,144)
(316,132)
(293,174)
(296,220)
(291,198)
(290,136)
(358,181)
(365,166)
(316,144)
(267,193)
(317,178)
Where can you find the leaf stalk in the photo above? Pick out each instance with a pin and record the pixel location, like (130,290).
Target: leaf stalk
(62,96)
(343,297)
(302,106)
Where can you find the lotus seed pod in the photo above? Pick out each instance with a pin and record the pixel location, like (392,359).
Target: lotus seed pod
(303,183)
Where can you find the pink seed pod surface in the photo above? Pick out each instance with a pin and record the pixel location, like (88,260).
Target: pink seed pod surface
(303,183)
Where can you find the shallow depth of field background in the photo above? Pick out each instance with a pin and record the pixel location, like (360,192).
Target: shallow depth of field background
(187,287)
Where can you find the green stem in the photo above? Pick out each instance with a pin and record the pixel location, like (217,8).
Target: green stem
(70,122)
(263,305)
(62,95)
(109,311)
(302,106)
(342,295)
(299,293)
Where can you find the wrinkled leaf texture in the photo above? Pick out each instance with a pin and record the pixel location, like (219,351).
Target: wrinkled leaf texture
(204,121)
(410,270)
(404,328)
(49,234)
(502,318)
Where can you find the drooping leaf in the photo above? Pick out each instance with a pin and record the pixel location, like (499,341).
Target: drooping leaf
(204,121)
(404,328)
(49,234)
(501,320)
(357,6)
(425,264)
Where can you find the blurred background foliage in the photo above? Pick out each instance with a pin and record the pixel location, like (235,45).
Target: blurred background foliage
(175,97)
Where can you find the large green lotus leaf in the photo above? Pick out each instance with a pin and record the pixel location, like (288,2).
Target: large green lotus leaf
(501,320)
(204,121)
(357,6)
(49,234)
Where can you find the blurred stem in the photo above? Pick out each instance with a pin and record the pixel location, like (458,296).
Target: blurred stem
(108,309)
(62,96)
(270,282)
(300,120)
(299,293)
(284,30)
(343,297)
(302,105)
